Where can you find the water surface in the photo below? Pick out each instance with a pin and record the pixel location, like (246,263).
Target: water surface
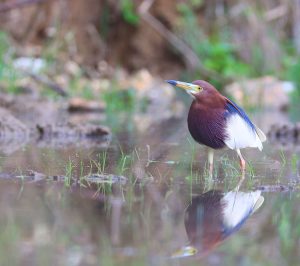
(57,221)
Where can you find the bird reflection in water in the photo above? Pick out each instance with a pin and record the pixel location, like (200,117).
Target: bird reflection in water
(213,216)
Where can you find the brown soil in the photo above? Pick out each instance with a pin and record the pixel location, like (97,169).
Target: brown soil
(26,119)
(93,31)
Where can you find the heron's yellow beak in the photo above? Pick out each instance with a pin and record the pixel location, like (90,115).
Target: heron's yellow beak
(184,252)
(189,87)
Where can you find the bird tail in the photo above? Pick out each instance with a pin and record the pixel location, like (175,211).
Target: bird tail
(260,134)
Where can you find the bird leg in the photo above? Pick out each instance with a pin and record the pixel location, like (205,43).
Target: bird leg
(242,178)
(242,161)
(210,161)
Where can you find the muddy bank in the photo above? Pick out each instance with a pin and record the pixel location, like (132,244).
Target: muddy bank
(25,119)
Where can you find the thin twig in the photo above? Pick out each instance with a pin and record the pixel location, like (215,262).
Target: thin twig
(190,57)
(4,7)
(50,84)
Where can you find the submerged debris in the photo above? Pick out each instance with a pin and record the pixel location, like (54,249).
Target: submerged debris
(102,178)
(33,176)
(72,131)
(285,134)
(275,188)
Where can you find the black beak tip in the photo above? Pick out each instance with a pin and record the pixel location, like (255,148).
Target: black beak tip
(172,82)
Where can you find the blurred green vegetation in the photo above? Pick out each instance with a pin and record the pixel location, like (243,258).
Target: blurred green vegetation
(216,52)
(128,12)
(287,221)
(8,75)
(293,74)
(215,49)
(120,100)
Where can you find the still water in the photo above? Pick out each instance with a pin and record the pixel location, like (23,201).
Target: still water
(166,210)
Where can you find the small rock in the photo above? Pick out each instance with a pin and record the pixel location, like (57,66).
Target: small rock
(62,80)
(275,188)
(72,68)
(10,127)
(99,85)
(34,65)
(101,179)
(82,105)
(160,97)
(13,133)
(267,92)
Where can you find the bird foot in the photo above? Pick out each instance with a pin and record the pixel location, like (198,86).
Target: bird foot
(243,165)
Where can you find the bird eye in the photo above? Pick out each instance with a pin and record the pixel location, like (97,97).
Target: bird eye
(200,88)
(194,251)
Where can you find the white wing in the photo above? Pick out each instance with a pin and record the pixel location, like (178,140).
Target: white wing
(240,205)
(241,135)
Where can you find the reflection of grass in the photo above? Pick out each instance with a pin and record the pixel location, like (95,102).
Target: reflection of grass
(287,220)
(230,166)
(101,162)
(123,163)
(190,178)
(251,169)
(69,173)
(284,228)
(283,158)
(294,162)
(8,75)
(9,239)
